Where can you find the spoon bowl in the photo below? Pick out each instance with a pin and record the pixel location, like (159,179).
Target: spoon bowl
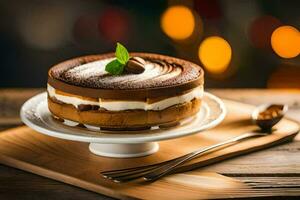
(267,115)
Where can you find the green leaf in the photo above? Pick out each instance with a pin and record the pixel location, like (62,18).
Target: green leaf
(122,54)
(114,67)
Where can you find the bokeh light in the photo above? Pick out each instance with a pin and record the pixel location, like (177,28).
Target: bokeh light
(178,22)
(86,28)
(215,54)
(286,75)
(46,28)
(261,29)
(285,41)
(114,25)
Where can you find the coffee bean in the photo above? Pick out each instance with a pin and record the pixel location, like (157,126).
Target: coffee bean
(135,65)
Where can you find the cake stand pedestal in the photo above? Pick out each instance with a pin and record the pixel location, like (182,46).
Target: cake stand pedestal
(124,150)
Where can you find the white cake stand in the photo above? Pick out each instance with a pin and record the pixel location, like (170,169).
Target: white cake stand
(122,144)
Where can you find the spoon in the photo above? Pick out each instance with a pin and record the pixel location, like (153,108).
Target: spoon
(263,116)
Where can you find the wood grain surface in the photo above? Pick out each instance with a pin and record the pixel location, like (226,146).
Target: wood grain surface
(273,175)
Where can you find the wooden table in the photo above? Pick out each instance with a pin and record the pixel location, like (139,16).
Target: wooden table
(272,171)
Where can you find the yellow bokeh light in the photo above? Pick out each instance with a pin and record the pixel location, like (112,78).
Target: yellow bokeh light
(285,41)
(215,54)
(178,22)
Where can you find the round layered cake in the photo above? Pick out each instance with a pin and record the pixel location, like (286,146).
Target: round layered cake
(165,92)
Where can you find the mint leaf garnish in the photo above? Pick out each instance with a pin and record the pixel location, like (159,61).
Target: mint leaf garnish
(115,67)
(122,54)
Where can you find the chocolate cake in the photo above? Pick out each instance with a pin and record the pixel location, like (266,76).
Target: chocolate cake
(165,91)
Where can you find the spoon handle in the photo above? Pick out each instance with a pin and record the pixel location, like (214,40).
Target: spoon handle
(168,167)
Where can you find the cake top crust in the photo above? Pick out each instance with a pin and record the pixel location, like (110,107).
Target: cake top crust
(160,71)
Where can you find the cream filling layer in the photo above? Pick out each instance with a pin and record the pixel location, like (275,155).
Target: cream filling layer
(118,105)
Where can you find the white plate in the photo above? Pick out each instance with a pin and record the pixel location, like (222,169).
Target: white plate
(35,114)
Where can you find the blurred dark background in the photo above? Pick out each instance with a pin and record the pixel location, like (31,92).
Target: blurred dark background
(36,34)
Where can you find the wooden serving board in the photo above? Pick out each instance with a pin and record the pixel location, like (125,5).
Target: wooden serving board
(72,162)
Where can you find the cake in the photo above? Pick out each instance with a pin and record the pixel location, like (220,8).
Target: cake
(164,92)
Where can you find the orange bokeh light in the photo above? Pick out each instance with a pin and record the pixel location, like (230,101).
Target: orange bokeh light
(178,22)
(285,41)
(215,54)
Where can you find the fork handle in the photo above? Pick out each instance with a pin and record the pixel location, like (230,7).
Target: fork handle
(169,167)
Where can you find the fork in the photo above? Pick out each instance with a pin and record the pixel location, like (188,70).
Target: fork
(155,171)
